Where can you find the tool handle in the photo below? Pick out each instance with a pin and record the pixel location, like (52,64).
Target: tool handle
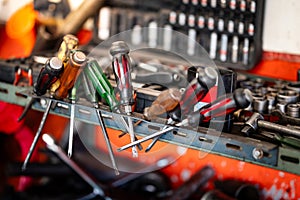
(68,78)
(95,74)
(48,75)
(122,70)
(226,104)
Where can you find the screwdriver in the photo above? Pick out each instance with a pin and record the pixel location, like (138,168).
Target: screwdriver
(166,101)
(195,92)
(91,93)
(69,43)
(226,104)
(96,76)
(122,71)
(48,75)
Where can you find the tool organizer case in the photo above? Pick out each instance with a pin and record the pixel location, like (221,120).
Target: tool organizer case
(229,30)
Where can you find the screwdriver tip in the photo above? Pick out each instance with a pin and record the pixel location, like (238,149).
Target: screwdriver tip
(24,167)
(69,154)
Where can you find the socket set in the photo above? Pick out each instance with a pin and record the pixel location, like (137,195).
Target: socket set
(230,31)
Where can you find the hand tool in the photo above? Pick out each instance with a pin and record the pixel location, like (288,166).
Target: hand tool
(48,74)
(253,6)
(223,49)
(285,140)
(67,81)
(195,92)
(226,104)
(211,23)
(199,179)
(243,5)
(69,44)
(241,28)
(72,120)
(201,22)
(97,77)
(293,110)
(172,17)
(192,34)
(213,45)
(213,3)
(232,4)
(235,49)
(191,20)
(166,101)
(256,121)
(241,98)
(50,144)
(122,70)
(181,19)
(91,93)
(246,51)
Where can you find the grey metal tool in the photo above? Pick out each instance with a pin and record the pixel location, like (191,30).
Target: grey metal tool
(149,137)
(37,135)
(256,121)
(72,119)
(285,119)
(50,144)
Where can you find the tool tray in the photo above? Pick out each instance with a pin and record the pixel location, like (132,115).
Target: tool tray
(238,44)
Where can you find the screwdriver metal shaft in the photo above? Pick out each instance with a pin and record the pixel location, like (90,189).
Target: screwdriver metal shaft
(91,93)
(71,130)
(37,135)
(107,141)
(149,137)
(122,71)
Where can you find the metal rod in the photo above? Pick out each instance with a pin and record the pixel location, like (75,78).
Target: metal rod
(145,138)
(37,135)
(281,129)
(26,109)
(154,141)
(108,144)
(132,137)
(71,130)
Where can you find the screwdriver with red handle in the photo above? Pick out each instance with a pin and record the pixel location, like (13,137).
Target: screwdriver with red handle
(195,92)
(226,104)
(121,65)
(67,80)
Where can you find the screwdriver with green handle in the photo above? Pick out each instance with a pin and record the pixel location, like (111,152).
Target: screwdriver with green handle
(103,87)
(91,94)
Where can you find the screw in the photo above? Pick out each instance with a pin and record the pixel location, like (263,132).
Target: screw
(257,153)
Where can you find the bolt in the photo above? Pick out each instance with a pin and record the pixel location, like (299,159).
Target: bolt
(257,153)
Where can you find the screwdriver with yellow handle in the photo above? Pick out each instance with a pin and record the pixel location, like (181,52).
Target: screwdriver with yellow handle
(69,43)
(67,80)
